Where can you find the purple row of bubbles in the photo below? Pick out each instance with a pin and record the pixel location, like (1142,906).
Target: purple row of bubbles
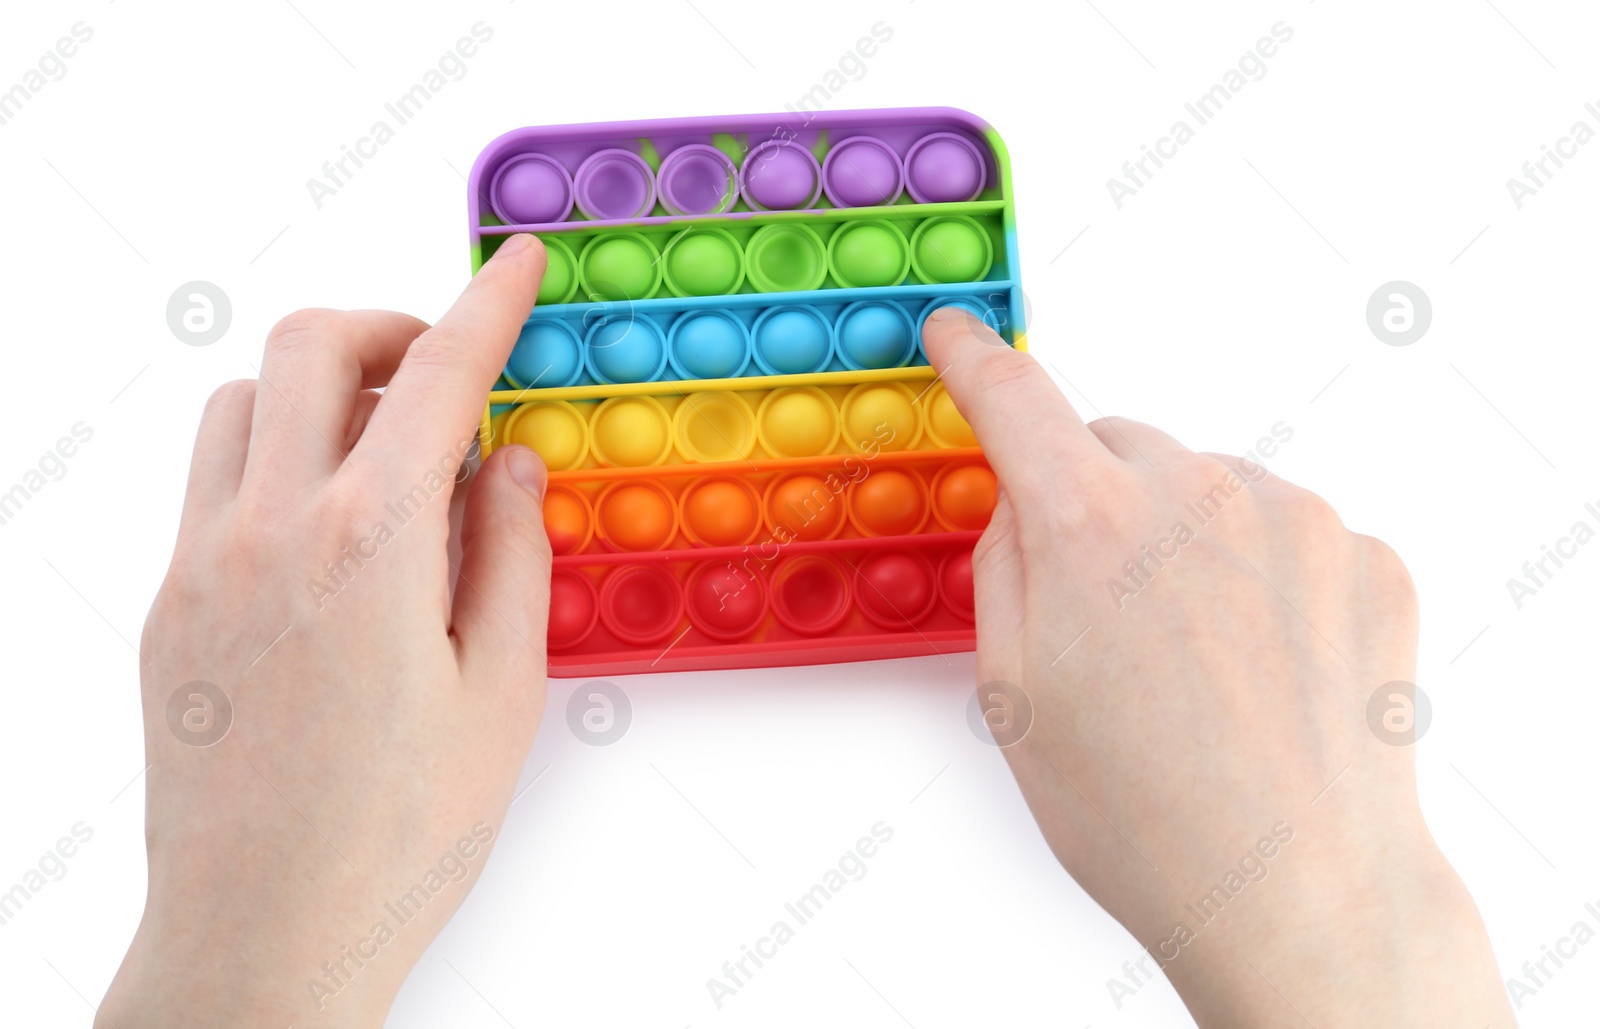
(698,179)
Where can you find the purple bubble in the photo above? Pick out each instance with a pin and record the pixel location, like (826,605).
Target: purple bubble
(862,172)
(531,189)
(697,179)
(780,175)
(944,168)
(615,184)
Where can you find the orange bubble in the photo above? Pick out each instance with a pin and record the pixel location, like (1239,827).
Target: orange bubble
(636,516)
(721,513)
(803,507)
(964,496)
(567,521)
(888,503)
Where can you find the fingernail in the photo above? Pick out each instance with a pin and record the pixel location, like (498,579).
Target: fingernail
(525,467)
(947,314)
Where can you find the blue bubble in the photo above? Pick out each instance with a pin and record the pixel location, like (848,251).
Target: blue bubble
(873,335)
(627,349)
(709,345)
(548,353)
(792,341)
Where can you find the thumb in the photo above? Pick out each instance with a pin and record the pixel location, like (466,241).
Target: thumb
(502,601)
(1028,431)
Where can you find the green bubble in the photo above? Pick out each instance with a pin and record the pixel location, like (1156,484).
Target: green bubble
(951,250)
(786,258)
(620,267)
(560,275)
(704,263)
(868,254)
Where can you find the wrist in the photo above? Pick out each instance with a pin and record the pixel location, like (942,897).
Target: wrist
(1337,937)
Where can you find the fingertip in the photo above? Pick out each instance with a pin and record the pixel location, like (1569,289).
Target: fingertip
(526,469)
(949,330)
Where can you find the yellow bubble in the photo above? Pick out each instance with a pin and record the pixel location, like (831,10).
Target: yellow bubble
(631,432)
(882,415)
(712,427)
(556,431)
(945,423)
(798,422)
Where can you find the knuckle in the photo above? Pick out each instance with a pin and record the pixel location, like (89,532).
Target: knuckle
(1385,564)
(300,328)
(229,395)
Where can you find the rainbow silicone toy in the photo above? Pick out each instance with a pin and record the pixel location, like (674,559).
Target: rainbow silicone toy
(752,462)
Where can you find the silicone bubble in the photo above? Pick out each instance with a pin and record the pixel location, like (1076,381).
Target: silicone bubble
(895,590)
(804,508)
(703,262)
(712,427)
(792,341)
(881,415)
(864,254)
(888,502)
(721,512)
(944,168)
(641,604)
(951,250)
(560,274)
(613,184)
(873,334)
(620,266)
(946,427)
(631,432)
(548,353)
(531,189)
(862,171)
(635,516)
(697,179)
(810,594)
(956,585)
(786,259)
(964,496)
(568,520)
(626,348)
(780,175)
(797,422)
(708,345)
(556,431)
(573,608)
(725,603)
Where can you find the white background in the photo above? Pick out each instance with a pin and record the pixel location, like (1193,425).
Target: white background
(1227,295)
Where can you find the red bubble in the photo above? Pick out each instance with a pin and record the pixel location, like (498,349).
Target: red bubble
(724,603)
(895,590)
(956,585)
(810,594)
(572,609)
(641,604)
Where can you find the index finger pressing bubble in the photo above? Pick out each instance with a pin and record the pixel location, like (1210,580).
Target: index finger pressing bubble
(1029,432)
(433,404)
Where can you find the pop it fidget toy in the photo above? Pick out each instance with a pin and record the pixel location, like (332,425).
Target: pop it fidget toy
(751,461)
